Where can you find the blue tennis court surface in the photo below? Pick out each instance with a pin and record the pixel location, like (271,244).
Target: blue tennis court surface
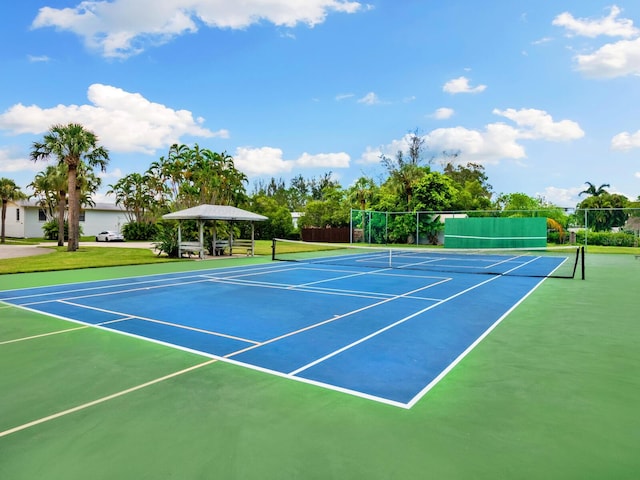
(383,334)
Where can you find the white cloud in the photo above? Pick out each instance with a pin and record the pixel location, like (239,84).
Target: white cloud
(121,28)
(38,58)
(562,197)
(116,174)
(369,99)
(538,124)
(498,141)
(461,85)
(123,121)
(626,141)
(610,25)
(370,156)
(12,162)
(325,160)
(542,41)
(270,161)
(261,161)
(344,96)
(637,174)
(612,60)
(443,113)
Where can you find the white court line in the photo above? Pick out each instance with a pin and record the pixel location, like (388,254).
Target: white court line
(43,335)
(459,358)
(165,277)
(118,292)
(153,320)
(318,290)
(388,327)
(333,319)
(103,399)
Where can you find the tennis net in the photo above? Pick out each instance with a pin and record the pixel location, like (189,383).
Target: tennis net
(550,262)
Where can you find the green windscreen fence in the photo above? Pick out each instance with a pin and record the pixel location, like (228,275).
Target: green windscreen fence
(495,232)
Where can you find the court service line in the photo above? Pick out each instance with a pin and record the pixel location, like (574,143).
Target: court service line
(153,320)
(329,320)
(319,290)
(104,399)
(342,277)
(393,325)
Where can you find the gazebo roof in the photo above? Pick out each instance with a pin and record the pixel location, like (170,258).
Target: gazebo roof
(215,212)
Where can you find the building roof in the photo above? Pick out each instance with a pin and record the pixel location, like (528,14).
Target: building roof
(98,206)
(215,212)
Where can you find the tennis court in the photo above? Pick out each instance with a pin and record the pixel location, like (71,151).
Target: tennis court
(295,370)
(384,333)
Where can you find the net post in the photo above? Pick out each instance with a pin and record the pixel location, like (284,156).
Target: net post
(582,260)
(273,250)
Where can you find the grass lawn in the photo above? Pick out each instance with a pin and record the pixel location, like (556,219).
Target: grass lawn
(551,393)
(92,257)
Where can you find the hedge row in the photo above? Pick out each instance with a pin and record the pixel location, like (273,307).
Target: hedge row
(613,239)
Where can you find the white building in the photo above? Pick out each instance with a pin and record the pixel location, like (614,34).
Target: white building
(25,219)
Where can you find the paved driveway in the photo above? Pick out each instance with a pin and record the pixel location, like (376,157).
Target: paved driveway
(14,251)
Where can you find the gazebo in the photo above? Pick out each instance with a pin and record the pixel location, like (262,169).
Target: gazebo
(201,213)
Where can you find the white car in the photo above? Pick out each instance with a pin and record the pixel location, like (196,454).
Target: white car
(109,236)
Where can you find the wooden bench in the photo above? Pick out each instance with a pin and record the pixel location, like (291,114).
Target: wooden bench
(190,248)
(220,246)
(246,245)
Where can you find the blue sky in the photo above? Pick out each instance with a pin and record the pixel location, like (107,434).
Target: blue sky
(544,94)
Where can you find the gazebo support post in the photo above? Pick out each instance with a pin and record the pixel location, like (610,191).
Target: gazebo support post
(253,239)
(179,238)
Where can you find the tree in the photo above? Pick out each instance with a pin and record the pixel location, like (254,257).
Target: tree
(9,192)
(78,149)
(474,190)
(330,211)
(191,176)
(50,187)
(604,211)
(405,171)
(279,223)
(298,193)
(135,193)
(512,203)
(593,191)
(362,192)
(434,192)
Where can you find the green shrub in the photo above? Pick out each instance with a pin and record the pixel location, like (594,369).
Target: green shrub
(166,238)
(140,231)
(612,239)
(51,230)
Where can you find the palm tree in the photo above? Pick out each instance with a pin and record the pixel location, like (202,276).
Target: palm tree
(9,191)
(75,147)
(593,191)
(51,186)
(361,192)
(135,194)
